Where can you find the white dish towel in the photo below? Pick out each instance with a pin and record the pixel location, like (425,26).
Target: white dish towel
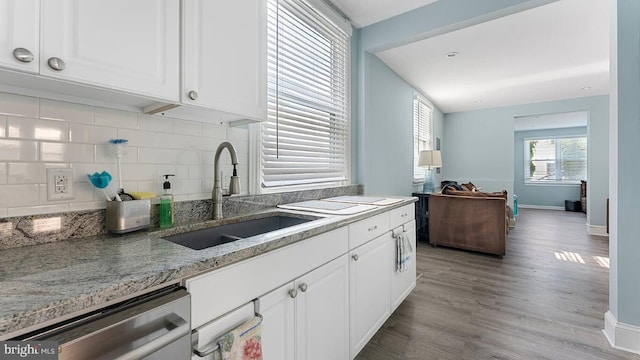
(403,251)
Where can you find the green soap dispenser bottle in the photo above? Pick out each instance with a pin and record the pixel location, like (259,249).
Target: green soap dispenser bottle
(166,204)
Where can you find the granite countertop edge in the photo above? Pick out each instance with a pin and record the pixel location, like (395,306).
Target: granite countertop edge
(45,283)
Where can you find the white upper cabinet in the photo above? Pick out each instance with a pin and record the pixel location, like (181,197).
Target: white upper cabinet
(19,35)
(224,56)
(132,46)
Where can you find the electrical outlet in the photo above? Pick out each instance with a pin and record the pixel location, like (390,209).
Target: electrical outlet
(59,184)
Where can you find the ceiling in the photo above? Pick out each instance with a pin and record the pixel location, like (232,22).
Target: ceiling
(551,52)
(366,12)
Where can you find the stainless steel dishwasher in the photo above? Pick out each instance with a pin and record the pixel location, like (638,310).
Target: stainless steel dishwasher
(156,326)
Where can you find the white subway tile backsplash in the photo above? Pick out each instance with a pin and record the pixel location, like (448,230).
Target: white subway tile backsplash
(106,153)
(135,172)
(185,187)
(18,150)
(82,191)
(180,171)
(155,123)
(59,110)
(3,173)
(3,125)
(189,156)
(66,152)
(157,156)
(37,129)
(139,138)
(187,127)
(195,172)
(19,195)
(27,173)
(215,131)
(11,104)
(238,133)
(116,118)
(91,134)
(36,134)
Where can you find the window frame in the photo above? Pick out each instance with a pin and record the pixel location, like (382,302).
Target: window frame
(419,173)
(256,139)
(526,176)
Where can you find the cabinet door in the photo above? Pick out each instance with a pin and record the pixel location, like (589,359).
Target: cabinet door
(125,45)
(278,324)
(224,56)
(369,290)
(19,28)
(322,312)
(402,283)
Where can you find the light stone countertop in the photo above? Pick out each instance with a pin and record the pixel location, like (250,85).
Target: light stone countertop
(43,284)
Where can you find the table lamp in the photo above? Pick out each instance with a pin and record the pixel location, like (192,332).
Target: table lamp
(429,159)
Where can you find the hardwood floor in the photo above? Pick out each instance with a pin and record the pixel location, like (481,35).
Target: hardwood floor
(545,299)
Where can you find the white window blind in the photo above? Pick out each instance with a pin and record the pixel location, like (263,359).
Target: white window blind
(555,160)
(422,133)
(305,138)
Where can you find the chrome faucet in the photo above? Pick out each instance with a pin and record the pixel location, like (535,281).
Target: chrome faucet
(234,185)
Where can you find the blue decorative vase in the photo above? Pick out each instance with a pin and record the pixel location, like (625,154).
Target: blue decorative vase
(428,186)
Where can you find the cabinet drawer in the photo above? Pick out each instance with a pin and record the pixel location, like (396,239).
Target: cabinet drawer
(401,215)
(368,229)
(219,291)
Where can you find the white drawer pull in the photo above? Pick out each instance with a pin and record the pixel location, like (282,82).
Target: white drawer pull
(373,228)
(404,215)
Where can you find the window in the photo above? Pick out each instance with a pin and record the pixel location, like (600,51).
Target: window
(558,160)
(422,133)
(305,139)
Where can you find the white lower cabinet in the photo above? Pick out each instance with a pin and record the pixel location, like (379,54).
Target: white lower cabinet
(369,293)
(334,297)
(402,283)
(308,318)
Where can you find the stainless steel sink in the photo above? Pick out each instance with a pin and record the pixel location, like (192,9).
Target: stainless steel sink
(206,238)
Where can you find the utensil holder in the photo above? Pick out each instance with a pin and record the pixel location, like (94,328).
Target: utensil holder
(127,216)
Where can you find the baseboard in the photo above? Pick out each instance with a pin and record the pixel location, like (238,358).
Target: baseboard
(621,336)
(597,230)
(540,207)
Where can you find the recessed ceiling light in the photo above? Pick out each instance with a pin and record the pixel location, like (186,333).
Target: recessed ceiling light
(585,88)
(452,54)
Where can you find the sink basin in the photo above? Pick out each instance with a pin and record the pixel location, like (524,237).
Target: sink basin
(206,238)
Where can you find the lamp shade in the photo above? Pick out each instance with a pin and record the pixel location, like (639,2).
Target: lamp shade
(430,159)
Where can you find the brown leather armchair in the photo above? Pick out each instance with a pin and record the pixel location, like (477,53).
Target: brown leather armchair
(478,223)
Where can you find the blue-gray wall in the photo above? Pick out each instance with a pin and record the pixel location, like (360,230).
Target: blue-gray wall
(386,131)
(624,248)
(479,147)
(546,195)
(382,148)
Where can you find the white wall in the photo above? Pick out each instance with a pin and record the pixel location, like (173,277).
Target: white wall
(36,134)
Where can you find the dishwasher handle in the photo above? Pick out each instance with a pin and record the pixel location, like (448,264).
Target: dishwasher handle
(177,326)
